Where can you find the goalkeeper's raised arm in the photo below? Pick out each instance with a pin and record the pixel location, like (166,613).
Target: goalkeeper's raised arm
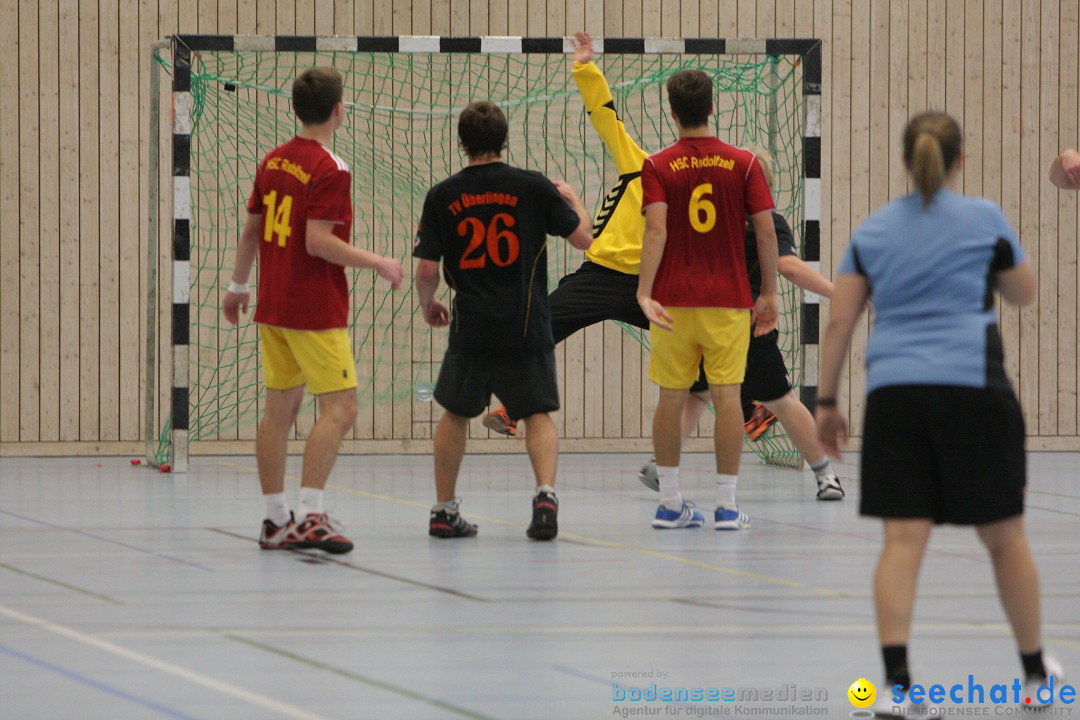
(600,105)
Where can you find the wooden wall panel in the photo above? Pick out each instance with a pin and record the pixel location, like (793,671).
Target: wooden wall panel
(73,190)
(10,313)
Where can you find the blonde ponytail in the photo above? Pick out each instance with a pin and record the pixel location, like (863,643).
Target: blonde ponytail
(932,145)
(927,166)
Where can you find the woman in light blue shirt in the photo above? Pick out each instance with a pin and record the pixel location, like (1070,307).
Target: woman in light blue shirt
(944,437)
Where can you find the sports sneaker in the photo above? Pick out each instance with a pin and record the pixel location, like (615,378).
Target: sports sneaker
(278,537)
(761,419)
(648,476)
(1032,698)
(500,422)
(728,519)
(545,519)
(687,517)
(317,533)
(828,488)
(447,525)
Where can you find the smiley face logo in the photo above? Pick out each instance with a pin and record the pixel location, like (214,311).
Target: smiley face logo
(862,693)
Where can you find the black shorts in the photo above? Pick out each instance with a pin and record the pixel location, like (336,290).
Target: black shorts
(951,454)
(593,294)
(525,382)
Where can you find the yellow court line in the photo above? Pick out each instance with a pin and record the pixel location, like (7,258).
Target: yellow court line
(600,543)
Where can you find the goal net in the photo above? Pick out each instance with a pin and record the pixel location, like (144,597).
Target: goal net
(399,138)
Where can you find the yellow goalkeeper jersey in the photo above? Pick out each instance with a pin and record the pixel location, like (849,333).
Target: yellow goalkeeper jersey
(619,225)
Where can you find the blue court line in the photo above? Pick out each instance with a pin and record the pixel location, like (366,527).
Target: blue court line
(105,539)
(71,674)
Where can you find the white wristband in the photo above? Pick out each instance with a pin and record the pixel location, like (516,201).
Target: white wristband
(237,288)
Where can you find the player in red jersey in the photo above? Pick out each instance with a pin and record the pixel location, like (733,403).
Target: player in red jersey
(694,289)
(299,222)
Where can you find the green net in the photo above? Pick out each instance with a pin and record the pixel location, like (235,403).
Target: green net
(400,138)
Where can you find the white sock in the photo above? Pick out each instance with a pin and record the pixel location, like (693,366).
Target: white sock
(725,490)
(450,506)
(670,495)
(277,509)
(310,501)
(821,468)
(545,488)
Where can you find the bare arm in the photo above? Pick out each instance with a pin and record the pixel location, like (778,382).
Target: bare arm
(805,276)
(322,243)
(652,250)
(246,249)
(767,306)
(581,238)
(1065,170)
(1018,285)
(427,282)
(848,302)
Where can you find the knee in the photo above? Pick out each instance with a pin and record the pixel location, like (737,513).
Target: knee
(344,414)
(998,536)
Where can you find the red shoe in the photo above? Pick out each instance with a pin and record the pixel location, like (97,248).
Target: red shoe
(317,533)
(500,422)
(278,537)
(761,419)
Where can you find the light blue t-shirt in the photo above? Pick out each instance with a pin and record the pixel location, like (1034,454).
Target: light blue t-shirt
(931,275)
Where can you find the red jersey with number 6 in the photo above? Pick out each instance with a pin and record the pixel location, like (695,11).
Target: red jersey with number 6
(709,187)
(300,181)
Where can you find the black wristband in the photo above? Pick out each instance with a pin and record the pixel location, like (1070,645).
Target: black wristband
(826,402)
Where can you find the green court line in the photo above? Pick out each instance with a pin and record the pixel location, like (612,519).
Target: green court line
(380,684)
(66,586)
(1052,510)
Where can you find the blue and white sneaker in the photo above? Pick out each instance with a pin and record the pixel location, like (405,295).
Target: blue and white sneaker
(728,519)
(687,517)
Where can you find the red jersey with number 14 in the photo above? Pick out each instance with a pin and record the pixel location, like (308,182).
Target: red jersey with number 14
(300,181)
(710,187)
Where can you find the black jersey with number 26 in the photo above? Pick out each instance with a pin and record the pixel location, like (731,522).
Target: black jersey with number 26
(489,225)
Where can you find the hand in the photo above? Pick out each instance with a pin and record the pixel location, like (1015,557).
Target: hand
(390,269)
(436,314)
(763,314)
(568,193)
(656,313)
(832,430)
(583,51)
(1070,163)
(232,304)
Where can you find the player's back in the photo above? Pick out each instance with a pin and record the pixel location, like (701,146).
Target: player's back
(491,223)
(710,187)
(298,181)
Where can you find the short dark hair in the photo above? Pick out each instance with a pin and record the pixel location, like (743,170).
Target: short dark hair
(315,94)
(690,95)
(482,129)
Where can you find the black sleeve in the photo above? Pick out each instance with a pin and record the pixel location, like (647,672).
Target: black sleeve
(785,240)
(559,218)
(428,244)
(1004,258)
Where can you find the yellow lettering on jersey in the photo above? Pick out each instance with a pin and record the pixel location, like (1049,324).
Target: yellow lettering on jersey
(716,161)
(294,169)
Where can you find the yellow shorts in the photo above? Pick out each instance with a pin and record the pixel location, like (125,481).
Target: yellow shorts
(320,359)
(720,335)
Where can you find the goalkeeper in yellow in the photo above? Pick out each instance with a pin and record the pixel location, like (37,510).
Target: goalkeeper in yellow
(605,286)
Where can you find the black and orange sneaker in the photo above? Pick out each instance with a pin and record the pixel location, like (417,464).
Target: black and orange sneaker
(278,537)
(449,525)
(545,519)
(761,419)
(316,532)
(498,421)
